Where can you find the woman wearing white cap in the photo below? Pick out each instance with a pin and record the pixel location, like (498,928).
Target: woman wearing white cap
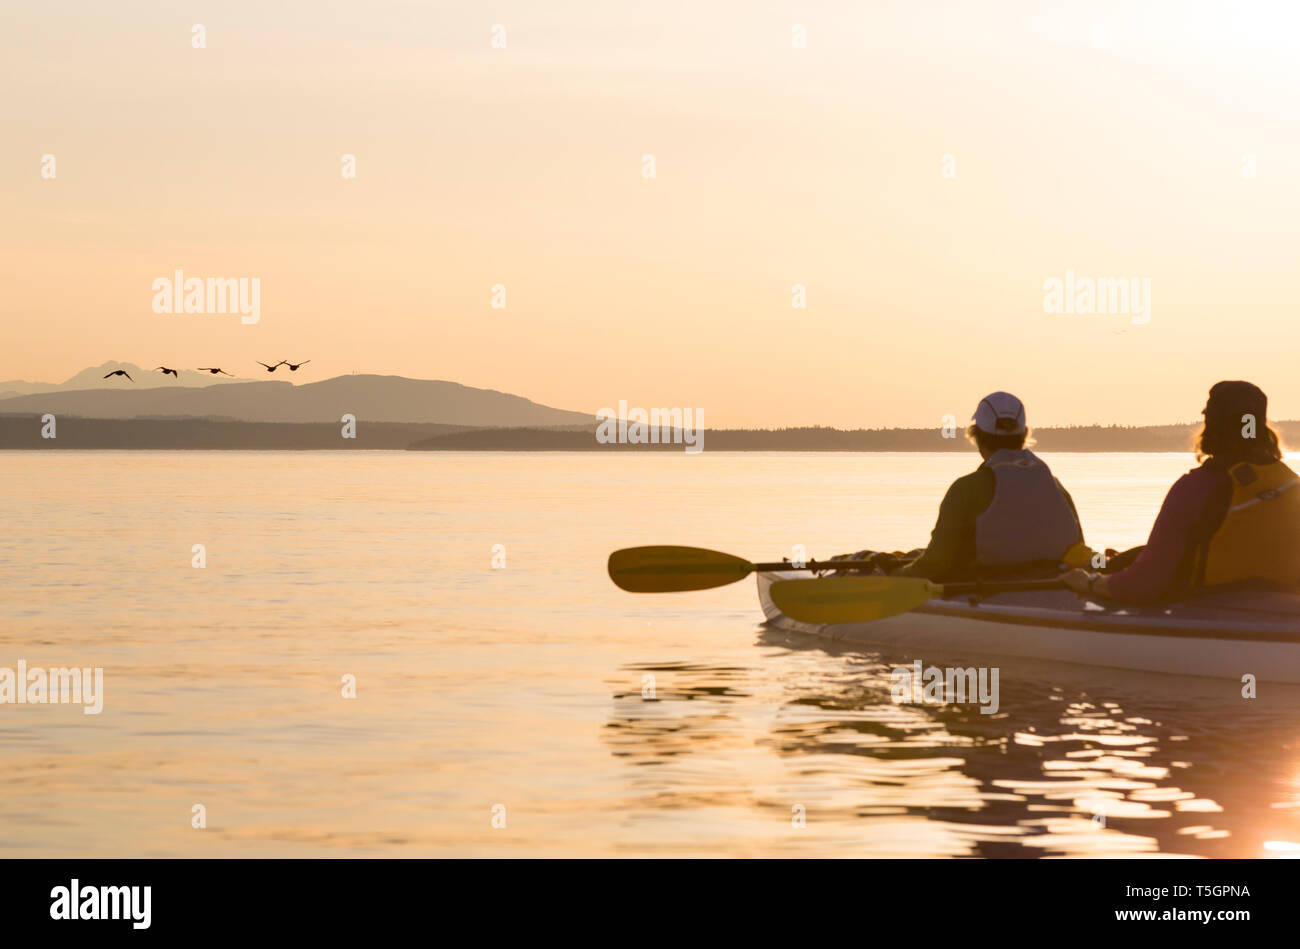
(1008,516)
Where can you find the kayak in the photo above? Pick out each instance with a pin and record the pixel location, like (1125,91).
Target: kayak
(1226,635)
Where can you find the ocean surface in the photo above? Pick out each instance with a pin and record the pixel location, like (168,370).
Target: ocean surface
(528,707)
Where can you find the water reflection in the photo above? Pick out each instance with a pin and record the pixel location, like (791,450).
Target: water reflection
(651,724)
(1075,762)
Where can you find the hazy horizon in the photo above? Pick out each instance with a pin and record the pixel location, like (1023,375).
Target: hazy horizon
(154,381)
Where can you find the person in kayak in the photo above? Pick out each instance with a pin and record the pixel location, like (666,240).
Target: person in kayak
(1009,516)
(1232,522)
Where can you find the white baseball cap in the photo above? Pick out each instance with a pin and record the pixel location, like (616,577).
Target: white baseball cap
(1000,413)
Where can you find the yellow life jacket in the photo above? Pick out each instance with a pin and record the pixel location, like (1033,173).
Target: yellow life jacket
(1259,538)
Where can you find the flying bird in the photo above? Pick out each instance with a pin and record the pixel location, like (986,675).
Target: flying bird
(270,368)
(293,367)
(166,372)
(120,372)
(214,370)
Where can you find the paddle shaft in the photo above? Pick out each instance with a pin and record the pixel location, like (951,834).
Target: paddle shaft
(812,565)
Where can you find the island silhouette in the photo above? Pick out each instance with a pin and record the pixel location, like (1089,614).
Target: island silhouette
(200,411)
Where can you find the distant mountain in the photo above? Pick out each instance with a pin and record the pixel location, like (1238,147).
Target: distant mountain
(93,378)
(369,398)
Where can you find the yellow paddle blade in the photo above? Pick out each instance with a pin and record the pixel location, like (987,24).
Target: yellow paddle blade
(850,599)
(673,569)
(1079,555)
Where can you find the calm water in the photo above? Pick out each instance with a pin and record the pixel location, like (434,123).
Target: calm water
(522,686)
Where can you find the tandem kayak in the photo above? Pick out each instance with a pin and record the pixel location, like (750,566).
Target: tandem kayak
(1221,636)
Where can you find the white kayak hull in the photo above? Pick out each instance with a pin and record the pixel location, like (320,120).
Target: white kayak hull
(1178,641)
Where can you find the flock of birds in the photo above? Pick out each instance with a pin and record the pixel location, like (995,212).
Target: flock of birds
(293,367)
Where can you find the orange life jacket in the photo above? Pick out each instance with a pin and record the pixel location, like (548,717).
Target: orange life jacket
(1259,539)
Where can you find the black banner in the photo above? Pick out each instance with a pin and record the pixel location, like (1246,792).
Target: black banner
(142,898)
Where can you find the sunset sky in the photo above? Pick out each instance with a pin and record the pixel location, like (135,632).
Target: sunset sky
(1114,139)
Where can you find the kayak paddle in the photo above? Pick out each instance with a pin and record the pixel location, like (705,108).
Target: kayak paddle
(666,569)
(863,599)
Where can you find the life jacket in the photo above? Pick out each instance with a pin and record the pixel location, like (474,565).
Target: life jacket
(1259,539)
(1029,519)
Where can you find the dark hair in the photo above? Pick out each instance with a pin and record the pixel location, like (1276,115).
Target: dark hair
(1221,440)
(988,444)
